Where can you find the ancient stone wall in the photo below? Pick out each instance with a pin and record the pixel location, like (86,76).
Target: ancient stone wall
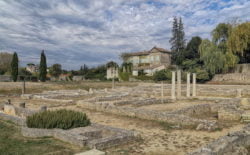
(175,118)
(233,143)
(5,78)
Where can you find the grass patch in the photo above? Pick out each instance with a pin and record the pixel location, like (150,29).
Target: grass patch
(12,142)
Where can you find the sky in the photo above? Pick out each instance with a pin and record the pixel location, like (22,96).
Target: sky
(93,32)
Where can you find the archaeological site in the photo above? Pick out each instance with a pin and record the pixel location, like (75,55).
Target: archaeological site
(182,117)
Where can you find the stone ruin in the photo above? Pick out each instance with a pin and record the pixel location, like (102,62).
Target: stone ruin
(224,104)
(93,136)
(235,143)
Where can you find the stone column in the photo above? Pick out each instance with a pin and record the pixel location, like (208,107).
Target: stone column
(90,91)
(113,83)
(23,87)
(239,92)
(188,84)
(178,83)
(194,85)
(162,92)
(173,86)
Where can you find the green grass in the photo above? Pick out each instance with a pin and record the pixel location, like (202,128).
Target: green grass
(13,143)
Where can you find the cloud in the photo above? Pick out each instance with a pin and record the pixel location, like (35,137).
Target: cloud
(92,32)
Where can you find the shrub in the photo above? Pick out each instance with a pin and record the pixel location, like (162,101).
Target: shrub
(63,119)
(162,75)
(124,76)
(143,78)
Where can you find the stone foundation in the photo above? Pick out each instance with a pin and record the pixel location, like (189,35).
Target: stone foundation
(229,114)
(232,144)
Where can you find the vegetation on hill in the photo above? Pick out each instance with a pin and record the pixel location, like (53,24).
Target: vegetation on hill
(63,119)
(229,46)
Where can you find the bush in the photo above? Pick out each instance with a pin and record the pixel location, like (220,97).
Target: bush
(63,119)
(143,78)
(124,76)
(202,74)
(162,75)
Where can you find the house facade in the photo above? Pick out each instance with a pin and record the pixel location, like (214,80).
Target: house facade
(148,62)
(112,72)
(32,68)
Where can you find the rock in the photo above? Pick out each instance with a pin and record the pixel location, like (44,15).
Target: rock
(92,152)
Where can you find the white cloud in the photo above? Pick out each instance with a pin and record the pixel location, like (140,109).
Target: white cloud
(74,32)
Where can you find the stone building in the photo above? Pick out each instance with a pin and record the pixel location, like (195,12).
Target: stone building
(148,62)
(112,72)
(32,68)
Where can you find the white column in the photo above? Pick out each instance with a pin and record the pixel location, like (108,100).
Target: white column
(162,92)
(194,85)
(113,83)
(239,93)
(188,84)
(173,86)
(23,87)
(178,83)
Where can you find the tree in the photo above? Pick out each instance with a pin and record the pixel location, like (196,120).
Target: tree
(181,35)
(220,35)
(192,49)
(83,70)
(43,67)
(14,67)
(5,62)
(215,60)
(174,40)
(55,70)
(239,42)
(177,41)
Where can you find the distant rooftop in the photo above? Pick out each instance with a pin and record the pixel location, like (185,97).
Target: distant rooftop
(148,52)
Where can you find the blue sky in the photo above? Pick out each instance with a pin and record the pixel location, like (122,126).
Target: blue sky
(92,32)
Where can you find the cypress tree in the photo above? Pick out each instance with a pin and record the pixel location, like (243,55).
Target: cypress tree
(14,67)
(43,67)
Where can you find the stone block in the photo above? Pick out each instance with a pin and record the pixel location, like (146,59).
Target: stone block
(92,152)
(10,110)
(229,114)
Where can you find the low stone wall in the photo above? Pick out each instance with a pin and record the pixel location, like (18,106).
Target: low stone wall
(196,110)
(149,115)
(16,120)
(142,102)
(232,77)
(234,143)
(5,78)
(18,111)
(230,114)
(91,136)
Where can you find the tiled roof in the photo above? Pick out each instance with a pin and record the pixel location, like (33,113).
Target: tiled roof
(148,52)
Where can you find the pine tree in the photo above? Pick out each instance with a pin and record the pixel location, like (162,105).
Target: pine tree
(181,35)
(14,67)
(43,67)
(174,40)
(177,41)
